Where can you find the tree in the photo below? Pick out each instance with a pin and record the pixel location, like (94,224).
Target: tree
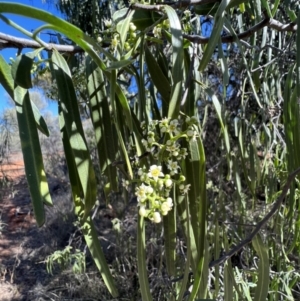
(225,137)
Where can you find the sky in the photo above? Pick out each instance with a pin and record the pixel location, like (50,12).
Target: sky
(30,25)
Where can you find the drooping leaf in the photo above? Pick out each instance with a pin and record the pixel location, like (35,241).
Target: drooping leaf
(262,289)
(33,160)
(215,34)
(160,81)
(103,127)
(74,130)
(6,78)
(177,62)
(21,68)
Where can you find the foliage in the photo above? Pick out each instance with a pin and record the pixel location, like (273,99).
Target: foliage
(211,132)
(64,258)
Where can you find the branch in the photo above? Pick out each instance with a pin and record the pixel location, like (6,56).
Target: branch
(7,41)
(258,227)
(271,23)
(177,4)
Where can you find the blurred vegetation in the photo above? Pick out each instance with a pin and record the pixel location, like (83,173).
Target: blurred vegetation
(184,120)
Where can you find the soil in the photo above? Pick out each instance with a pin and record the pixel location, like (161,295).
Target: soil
(24,246)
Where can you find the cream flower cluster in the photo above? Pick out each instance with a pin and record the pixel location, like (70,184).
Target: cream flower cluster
(153,193)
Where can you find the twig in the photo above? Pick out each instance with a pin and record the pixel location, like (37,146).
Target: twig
(258,227)
(271,23)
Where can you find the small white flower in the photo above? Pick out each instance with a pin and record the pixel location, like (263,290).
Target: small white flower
(155,172)
(156,217)
(173,166)
(125,183)
(173,125)
(183,153)
(164,122)
(184,188)
(108,23)
(141,193)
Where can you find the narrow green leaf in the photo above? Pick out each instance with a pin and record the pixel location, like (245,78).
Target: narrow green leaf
(218,109)
(177,62)
(86,224)
(170,230)
(75,131)
(99,110)
(33,159)
(7,82)
(21,68)
(196,176)
(119,64)
(123,27)
(6,78)
(92,241)
(118,122)
(39,119)
(160,81)
(21,71)
(141,257)
(262,289)
(74,33)
(215,34)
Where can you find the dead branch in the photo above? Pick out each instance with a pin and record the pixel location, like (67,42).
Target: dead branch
(258,227)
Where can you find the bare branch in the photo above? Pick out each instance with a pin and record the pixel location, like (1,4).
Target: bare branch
(7,41)
(271,23)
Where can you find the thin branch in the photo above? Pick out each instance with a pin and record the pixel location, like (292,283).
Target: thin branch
(258,227)
(7,41)
(177,4)
(271,23)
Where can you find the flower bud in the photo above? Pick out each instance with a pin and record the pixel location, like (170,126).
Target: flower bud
(156,217)
(142,211)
